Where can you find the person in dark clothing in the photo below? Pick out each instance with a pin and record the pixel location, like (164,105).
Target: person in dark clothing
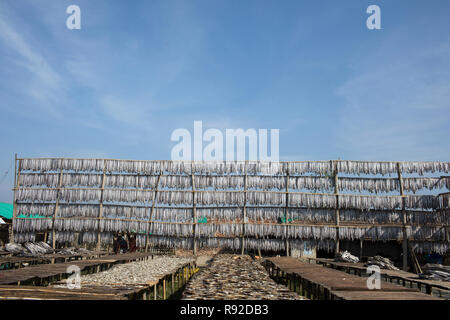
(123,245)
(132,243)
(116,244)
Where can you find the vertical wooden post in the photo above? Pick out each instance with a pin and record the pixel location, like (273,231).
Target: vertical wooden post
(147,239)
(336,192)
(55,213)
(194,212)
(404,222)
(164,288)
(16,186)
(100,211)
(172,283)
(360,249)
(286,213)
(244,212)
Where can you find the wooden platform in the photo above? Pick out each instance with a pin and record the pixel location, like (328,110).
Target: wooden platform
(52,293)
(44,274)
(167,287)
(317,282)
(400,277)
(374,295)
(14,262)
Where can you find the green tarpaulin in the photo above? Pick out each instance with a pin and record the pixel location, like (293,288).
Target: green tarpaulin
(6,210)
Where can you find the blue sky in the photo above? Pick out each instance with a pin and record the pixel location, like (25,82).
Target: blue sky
(138,70)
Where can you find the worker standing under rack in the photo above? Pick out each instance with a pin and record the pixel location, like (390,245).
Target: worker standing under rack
(123,244)
(116,243)
(132,243)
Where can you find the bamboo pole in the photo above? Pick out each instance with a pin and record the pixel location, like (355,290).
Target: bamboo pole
(286,213)
(147,238)
(16,186)
(100,211)
(194,213)
(164,288)
(244,210)
(405,235)
(55,213)
(194,161)
(336,192)
(361,241)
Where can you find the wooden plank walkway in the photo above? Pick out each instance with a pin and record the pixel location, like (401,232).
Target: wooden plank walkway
(45,274)
(167,287)
(400,277)
(14,262)
(320,283)
(52,293)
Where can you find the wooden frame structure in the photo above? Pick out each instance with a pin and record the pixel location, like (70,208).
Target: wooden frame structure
(237,200)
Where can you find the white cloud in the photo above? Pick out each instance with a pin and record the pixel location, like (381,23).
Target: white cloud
(397,106)
(45,84)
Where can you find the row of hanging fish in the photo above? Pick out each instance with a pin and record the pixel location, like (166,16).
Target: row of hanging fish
(418,244)
(80,225)
(375,185)
(173,214)
(309,200)
(265,244)
(261,230)
(394,216)
(426,247)
(171,229)
(82,210)
(266,214)
(180,214)
(345,201)
(219,167)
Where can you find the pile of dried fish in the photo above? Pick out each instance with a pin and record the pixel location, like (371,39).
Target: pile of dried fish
(14,248)
(435,272)
(67,251)
(235,277)
(346,257)
(29,249)
(135,273)
(383,263)
(38,248)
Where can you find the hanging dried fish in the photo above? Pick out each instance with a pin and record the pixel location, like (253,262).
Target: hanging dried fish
(220,200)
(423,247)
(312,200)
(31,209)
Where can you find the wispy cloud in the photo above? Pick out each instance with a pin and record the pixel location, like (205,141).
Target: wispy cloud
(41,82)
(132,113)
(397,104)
